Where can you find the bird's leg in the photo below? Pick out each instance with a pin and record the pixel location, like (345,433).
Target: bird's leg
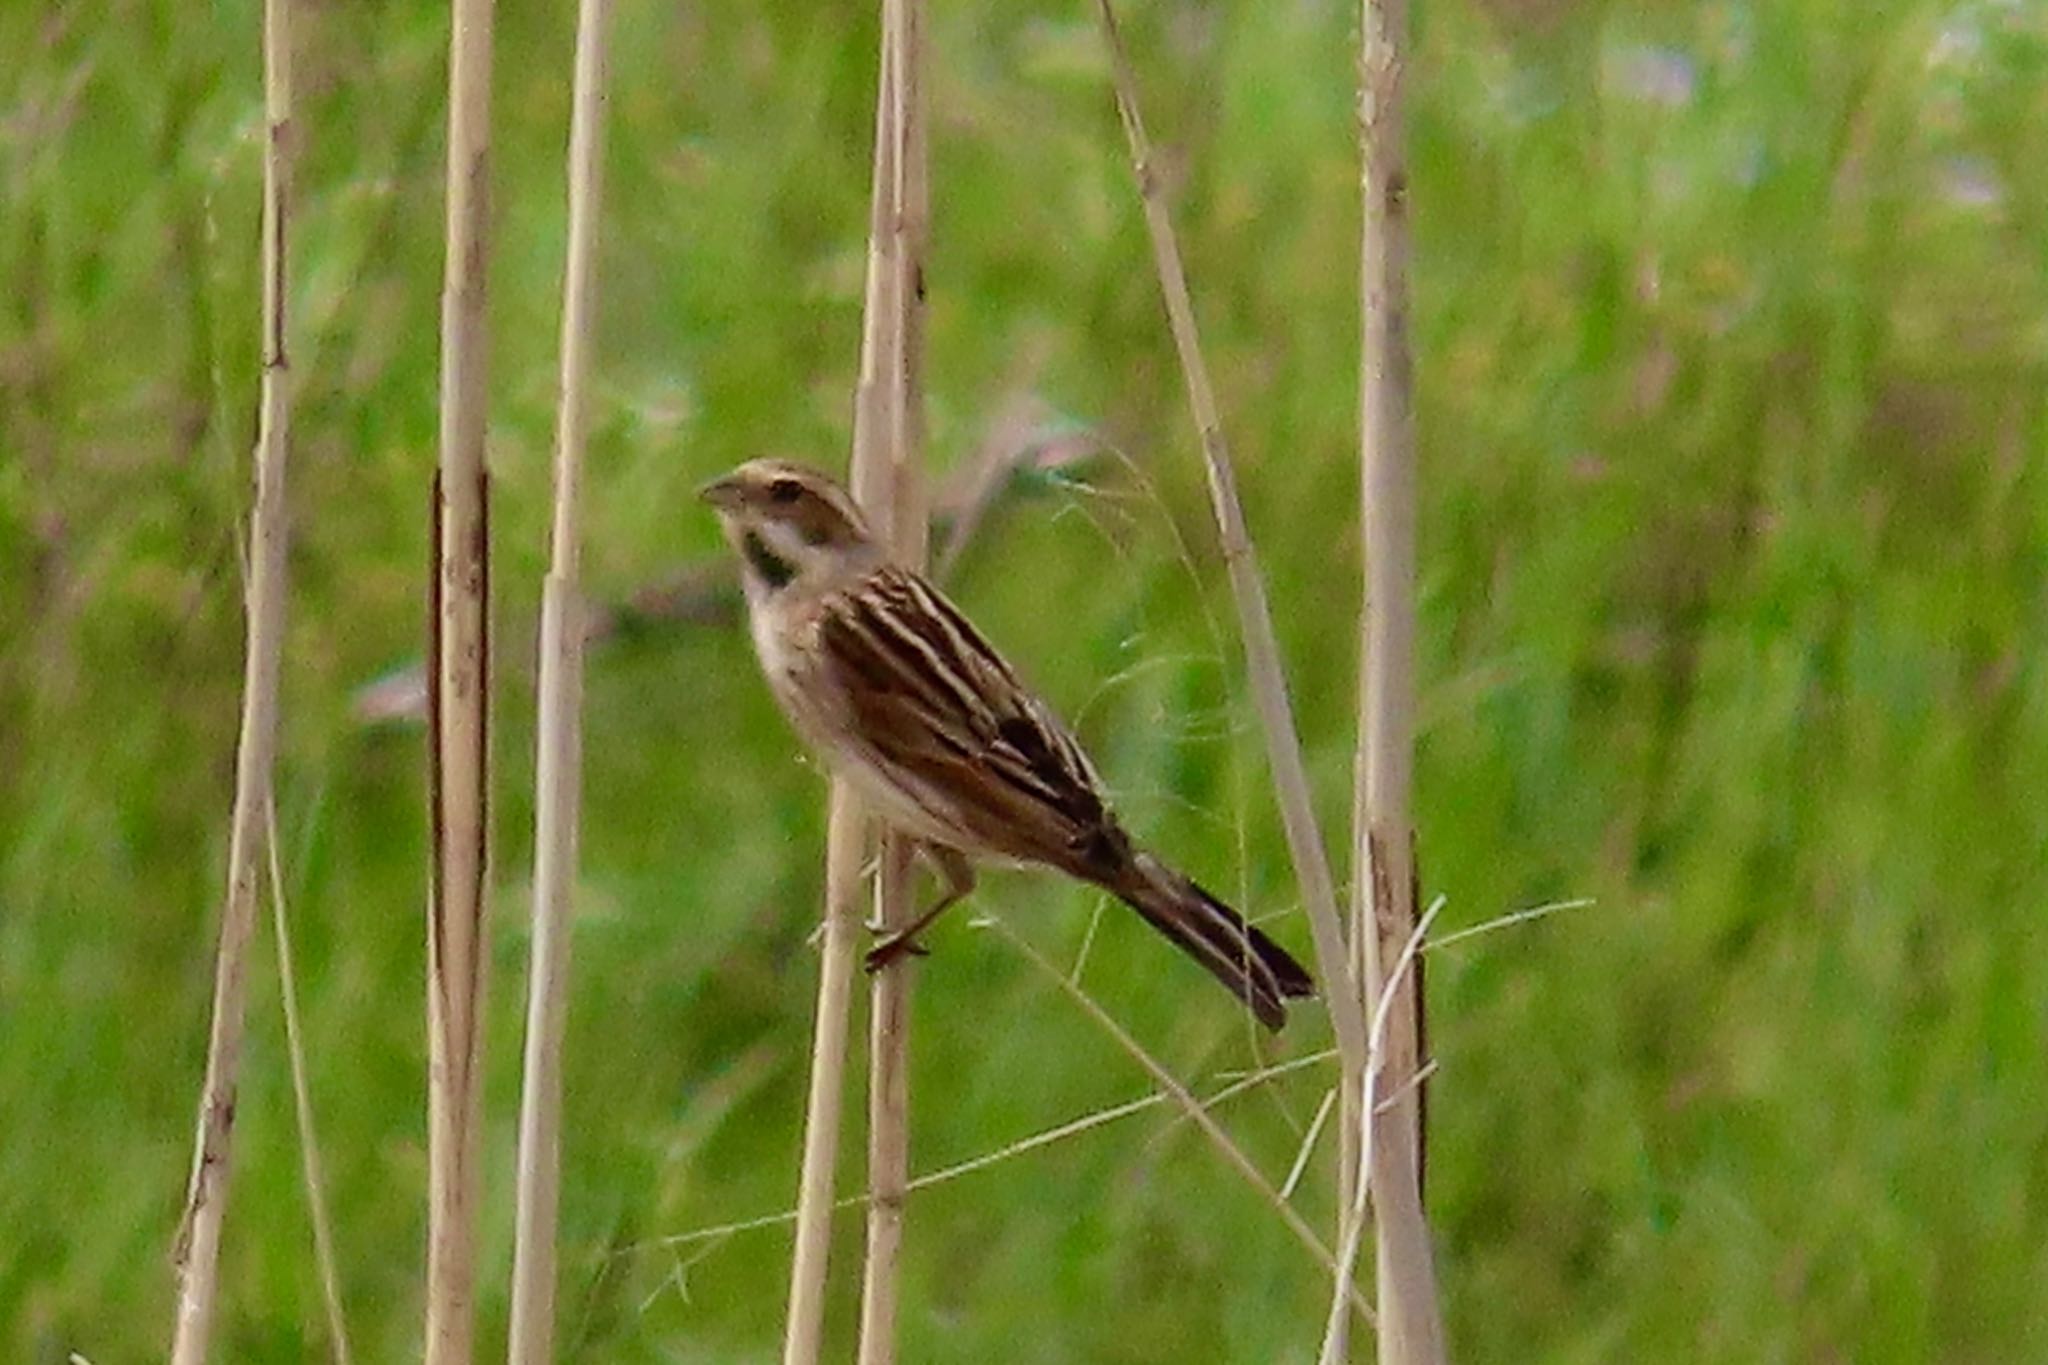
(958,875)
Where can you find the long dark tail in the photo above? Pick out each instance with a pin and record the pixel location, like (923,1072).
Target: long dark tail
(1254,968)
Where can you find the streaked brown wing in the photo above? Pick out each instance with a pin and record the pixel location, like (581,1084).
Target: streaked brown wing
(949,723)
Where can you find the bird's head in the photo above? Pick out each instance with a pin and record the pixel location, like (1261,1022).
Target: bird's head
(790,524)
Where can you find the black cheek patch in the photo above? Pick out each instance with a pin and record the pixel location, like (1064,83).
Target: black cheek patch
(775,571)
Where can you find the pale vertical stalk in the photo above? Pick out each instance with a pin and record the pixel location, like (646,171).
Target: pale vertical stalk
(845,834)
(888,1114)
(846,826)
(893,487)
(1384,876)
(559,740)
(1261,647)
(302,1101)
(198,1251)
(1336,1333)
(459,696)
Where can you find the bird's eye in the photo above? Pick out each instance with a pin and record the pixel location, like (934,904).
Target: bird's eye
(785,491)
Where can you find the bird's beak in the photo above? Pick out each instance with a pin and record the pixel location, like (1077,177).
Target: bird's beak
(723,493)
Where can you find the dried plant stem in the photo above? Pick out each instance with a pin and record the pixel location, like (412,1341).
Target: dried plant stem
(874,424)
(888,1114)
(1376,1100)
(302,1102)
(198,1251)
(559,760)
(1190,1105)
(458,706)
(1262,650)
(1383,826)
(845,835)
(1261,646)
(890,484)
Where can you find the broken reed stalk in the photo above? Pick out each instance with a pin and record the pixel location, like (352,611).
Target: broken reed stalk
(197,1255)
(459,713)
(559,739)
(847,823)
(1383,826)
(302,1101)
(1261,647)
(891,487)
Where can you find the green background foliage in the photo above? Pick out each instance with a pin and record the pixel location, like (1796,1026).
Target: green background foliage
(1729,321)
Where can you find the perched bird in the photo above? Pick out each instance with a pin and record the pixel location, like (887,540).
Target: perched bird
(890,685)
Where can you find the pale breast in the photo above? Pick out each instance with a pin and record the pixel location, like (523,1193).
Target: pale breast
(810,696)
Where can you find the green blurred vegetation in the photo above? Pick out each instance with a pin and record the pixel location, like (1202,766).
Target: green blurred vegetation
(1731,350)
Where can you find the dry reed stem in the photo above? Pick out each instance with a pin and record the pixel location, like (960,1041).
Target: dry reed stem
(559,742)
(1306,849)
(892,487)
(197,1255)
(1233,1154)
(871,479)
(1365,1179)
(302,1103)
(845,834)
(888,1112)
(1262,650)
(458,707)
(1383,825)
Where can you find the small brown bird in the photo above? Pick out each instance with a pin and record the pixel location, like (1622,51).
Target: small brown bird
(891,686)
